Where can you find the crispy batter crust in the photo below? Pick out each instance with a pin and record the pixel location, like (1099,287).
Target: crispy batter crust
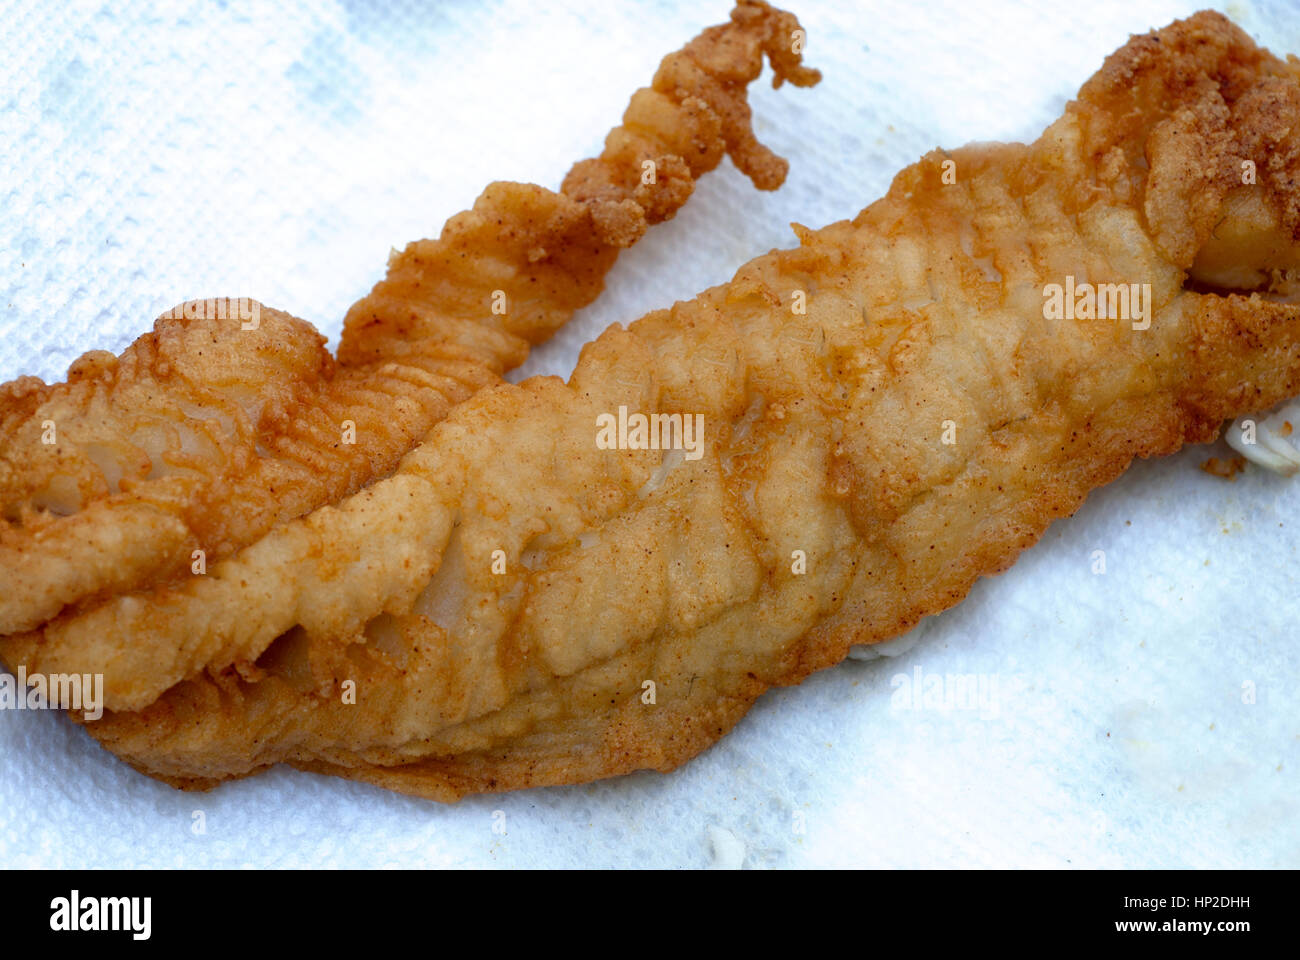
(824,438)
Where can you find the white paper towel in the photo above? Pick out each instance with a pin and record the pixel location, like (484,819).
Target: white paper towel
(155,153)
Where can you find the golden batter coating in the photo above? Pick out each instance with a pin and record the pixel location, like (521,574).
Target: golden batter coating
(231,418)
(890,411)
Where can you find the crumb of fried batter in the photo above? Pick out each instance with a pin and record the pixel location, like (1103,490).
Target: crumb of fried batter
(1224,469)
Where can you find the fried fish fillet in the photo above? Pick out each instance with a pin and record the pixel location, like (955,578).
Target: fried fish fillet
(210,431)
(889,412)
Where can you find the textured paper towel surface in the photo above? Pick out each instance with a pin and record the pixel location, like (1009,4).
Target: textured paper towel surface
(153,154)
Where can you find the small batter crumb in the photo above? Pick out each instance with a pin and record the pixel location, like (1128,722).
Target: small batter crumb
(1226,469)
